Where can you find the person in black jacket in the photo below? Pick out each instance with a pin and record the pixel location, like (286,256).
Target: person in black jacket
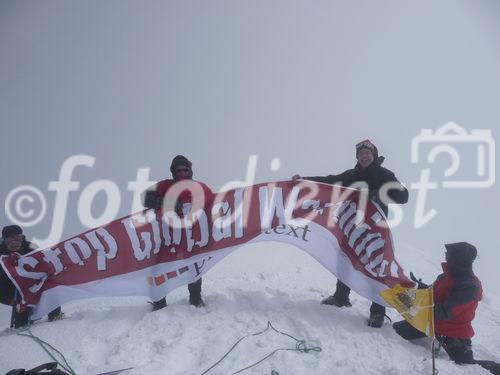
(13,241)
(369,170)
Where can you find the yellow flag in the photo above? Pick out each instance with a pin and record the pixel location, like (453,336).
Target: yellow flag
(415,305)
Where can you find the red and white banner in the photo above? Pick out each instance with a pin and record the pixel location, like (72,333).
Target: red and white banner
(153,252)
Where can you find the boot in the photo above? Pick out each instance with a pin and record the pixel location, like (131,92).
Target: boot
(196,300)
(377,315)
(335,301)
(160,304)
(195,293)
(56,314)
(341,296)
(21,319)
(376,320)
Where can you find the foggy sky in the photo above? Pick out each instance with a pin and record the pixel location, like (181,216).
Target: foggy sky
(135,83)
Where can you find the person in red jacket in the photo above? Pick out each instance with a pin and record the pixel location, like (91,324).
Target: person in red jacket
(154,197)
(457,292)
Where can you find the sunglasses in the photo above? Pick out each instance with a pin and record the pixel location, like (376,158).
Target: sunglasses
(182,170)
(15,238)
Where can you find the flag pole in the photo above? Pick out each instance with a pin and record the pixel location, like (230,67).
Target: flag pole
(434,370)
(433,358)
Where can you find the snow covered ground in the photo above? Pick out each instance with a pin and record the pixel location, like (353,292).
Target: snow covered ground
(256,284)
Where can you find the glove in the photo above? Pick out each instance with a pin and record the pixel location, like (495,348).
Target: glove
(152,201)
(420,284)
(13,258)
(179,208)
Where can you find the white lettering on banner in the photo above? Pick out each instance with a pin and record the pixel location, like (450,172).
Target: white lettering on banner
(357,233)
(152,219)
(23,272)
(355,221)
(351,222)
(52,256)
(351,212)
(223,215)
(362,245)
(274,206)
(341,196)
(341,207)
(394,269)
(202,220)
(383,266)
(291,203)
(312,204)
(188,228)
(69,247)
(239,222)
(171,220)
(147,217)
(379,243)
(370,267)
(269,207)
(221,227)
(98,245)
(307,201)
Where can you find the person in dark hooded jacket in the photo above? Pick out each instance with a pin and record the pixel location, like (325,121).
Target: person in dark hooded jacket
(369,170)
(153,197)
(457,292)
(14,242)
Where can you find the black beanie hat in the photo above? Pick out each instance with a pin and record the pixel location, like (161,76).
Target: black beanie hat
(11,230)
(369,145)
(462,253)
(178,161)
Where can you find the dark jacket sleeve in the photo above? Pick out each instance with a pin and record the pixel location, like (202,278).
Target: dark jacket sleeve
(398,194)
(150,198)
(330,179)
(461,294)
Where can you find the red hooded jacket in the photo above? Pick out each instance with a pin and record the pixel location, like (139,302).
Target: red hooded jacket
(456,298)
(161,188)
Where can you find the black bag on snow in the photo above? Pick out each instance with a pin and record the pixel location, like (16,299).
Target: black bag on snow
(47,368)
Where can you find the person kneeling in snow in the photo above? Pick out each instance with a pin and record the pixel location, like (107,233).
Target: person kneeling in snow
(457,292)
(14,243)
